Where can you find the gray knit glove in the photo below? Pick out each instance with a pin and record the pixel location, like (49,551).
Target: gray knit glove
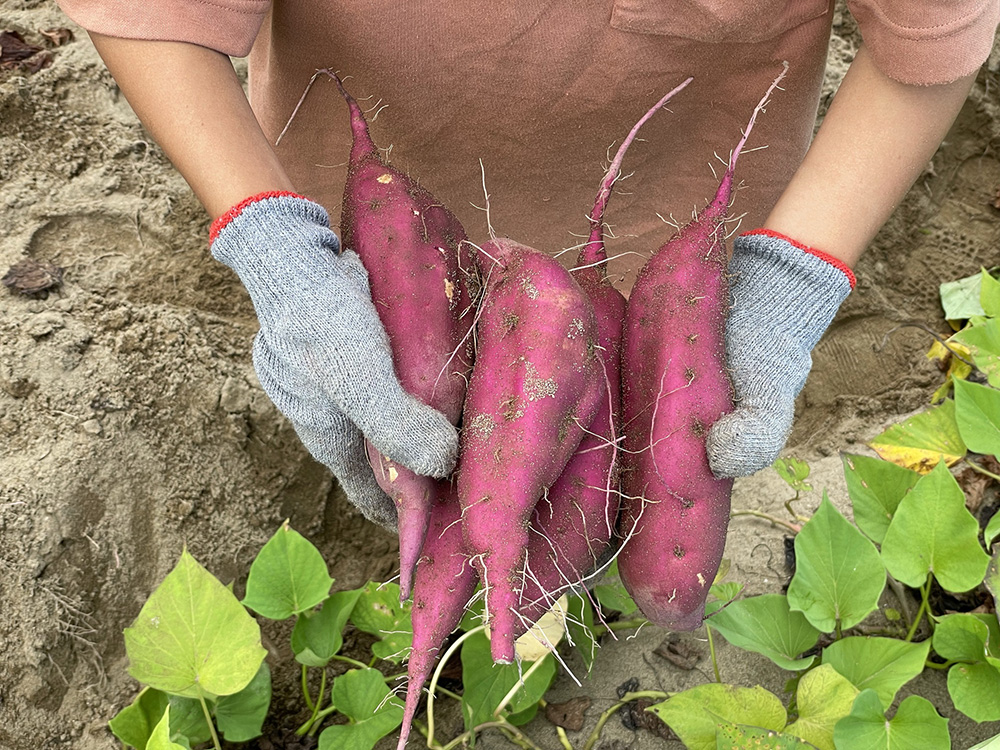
(321,354)
(784,297)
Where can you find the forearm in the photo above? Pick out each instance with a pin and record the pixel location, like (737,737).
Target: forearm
(190,100)
(874,142)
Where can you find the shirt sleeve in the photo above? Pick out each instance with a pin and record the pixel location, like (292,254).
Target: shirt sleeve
(228,26)
(927,42)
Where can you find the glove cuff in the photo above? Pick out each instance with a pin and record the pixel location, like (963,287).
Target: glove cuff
(272,237)
(825,257)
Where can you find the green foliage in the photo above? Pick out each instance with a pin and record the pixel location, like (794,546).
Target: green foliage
(695,714)
(379,612)
(977,412)
(933,532)
(823,698)
(883,665)
(240,716)
(729,736)
(875,487)
(611,593)
(486,684)
(192,637)
(923,440)
(287,577)
(983,341)
(839,575)
(795,472)
(159,739)
(916,726)
(362,696)
(766,625)
(318,636)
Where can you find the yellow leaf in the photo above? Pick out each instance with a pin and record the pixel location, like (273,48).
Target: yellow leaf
(923,440)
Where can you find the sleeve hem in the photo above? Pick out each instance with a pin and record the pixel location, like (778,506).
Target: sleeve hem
(227,26)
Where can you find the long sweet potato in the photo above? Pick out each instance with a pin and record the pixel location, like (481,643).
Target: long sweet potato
(674,386)
(535,387)
(410,245)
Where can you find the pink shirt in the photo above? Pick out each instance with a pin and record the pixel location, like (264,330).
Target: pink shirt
(540,91)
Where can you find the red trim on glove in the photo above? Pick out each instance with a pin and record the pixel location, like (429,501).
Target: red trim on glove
(219,224)
(835,262)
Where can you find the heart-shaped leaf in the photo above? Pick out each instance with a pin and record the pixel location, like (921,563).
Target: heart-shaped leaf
(765,625)
(134,724)
(823,698)
(362,696)
(193,637)
(916,726)
(933,532)
(287,577)
(875,486)
(983,341)
(961,637)
(241,715)
(319,635)
(923,440)
(379,612)
(696,714)
(977,411)
(880,664)
(839,575)
(975,690)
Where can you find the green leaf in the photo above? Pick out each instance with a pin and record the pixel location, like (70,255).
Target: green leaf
(975,690)
(989,294)
(486,683)
(992,530)
(612,594)
(916,726)
(379,612)
(923,440)
(960,299)
(875,486)
(765,625)
(319,635)
(977,411)
(839,575)
(287,577)
(720,594)
(795,472)
(362,696)
(134,724)
(993,743)
(193,636)
(880,664)
(729,736)
(187,721)
(473,617)
(695,714)
(984,342)
(823,698)
(992,578)
(580,625)
(160,737)
(933,532)
(240,716)
(961,637)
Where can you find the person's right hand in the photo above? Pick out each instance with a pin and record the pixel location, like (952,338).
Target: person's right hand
(322,355)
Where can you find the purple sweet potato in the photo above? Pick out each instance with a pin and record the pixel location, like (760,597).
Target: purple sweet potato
(444,583)
(410,244)
(536,385)
(572,527)
(674,386)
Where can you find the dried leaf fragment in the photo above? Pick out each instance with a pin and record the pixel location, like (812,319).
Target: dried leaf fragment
(17,53)
(32,277)
(57,37)
(568,715)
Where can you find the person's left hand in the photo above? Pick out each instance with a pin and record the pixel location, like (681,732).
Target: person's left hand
(785,296)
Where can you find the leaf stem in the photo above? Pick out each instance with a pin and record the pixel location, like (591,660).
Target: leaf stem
(563,739)
(305,688)
(982,470)
(625,700)
(310,723)
(208,720)
(349,660)
(925,592)
(517,686)
(934,665)
(711,651)
(794,528)
(437,675)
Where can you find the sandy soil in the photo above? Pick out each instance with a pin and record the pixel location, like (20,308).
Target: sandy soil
(131,422)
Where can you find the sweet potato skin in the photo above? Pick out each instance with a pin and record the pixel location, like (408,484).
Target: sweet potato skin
(533,390)
(411,246)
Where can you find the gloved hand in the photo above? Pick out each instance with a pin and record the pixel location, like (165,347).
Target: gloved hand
(784,297)
(321,354)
